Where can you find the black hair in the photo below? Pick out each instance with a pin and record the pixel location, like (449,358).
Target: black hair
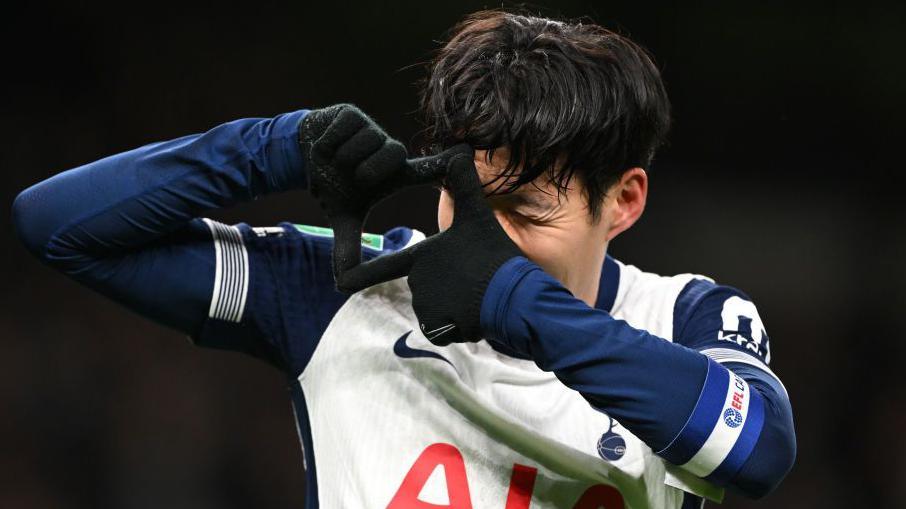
(566,98)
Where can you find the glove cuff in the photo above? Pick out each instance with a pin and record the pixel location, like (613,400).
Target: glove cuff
(310,128)
(478,295)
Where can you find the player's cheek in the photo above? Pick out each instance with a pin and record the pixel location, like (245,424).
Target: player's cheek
(529,238)
(554,249)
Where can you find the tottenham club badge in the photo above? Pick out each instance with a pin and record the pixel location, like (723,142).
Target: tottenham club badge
(611,446)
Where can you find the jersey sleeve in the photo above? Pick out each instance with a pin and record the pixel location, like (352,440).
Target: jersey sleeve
(273,293)
(723,324)
(131,227)
(128,225)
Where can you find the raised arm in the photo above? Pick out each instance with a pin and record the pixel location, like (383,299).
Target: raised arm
(727,423)
(127,225)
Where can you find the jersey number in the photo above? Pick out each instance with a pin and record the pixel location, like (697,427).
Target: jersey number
(519,495)
(743,326)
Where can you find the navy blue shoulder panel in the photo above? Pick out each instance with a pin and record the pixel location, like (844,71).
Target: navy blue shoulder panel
(690,297)
(295,293)
(707,315)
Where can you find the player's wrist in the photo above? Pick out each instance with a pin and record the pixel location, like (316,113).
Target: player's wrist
(310,128)
(280,155)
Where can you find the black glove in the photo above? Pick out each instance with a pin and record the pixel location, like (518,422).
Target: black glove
(448,272)
(352,164)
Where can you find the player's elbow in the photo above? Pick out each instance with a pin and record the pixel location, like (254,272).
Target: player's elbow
(772,458)
(36,220)
(24,216)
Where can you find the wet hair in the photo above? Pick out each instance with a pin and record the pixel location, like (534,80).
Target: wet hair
(566,98)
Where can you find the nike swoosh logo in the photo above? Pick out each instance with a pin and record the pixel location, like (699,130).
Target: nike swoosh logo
(401,349)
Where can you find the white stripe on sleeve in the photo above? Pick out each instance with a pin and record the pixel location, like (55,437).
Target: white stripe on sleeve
(725,355)
(231,273)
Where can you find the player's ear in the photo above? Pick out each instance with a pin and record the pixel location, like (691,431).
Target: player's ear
(626,201)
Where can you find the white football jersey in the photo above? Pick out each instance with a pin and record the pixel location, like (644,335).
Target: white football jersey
(397,422)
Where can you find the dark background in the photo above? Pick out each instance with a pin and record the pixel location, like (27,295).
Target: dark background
(783,178)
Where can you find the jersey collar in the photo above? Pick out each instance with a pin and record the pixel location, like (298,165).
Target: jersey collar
(610,282)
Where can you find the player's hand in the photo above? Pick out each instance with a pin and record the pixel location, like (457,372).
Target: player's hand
(448,272)
(352,164)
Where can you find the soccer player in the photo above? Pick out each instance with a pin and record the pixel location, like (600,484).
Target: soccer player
(517,365)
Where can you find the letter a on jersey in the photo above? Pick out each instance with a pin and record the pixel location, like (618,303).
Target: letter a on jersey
(447,456)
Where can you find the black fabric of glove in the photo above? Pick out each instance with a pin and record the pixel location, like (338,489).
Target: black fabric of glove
(352,164)
(448,272)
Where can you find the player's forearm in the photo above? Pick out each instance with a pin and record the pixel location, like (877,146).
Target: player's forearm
(610,363)
(671,397)
(126,200)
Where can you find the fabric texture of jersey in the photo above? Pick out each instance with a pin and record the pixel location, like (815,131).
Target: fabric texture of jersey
(380,396)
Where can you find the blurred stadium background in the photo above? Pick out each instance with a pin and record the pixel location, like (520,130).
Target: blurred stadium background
(784,177)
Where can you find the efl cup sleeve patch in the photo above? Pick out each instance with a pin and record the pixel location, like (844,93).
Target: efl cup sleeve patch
(721,433)
(231,274)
